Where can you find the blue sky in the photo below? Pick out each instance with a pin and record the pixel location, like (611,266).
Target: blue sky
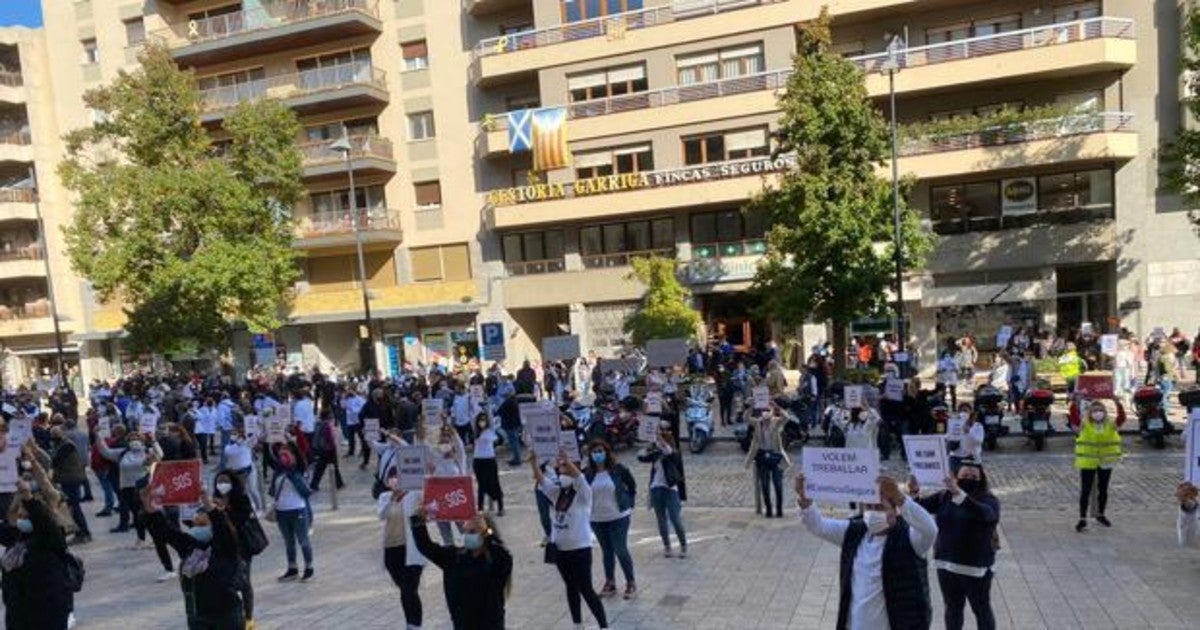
(20,12)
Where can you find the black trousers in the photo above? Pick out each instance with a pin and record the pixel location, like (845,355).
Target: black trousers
(248,590)
(204,442)
(1086,477)
(408,580)
(487,482)
(768,476)
(321,461)
(575,567)
(957,590)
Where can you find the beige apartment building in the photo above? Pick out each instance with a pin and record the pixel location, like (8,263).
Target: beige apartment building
(669,110)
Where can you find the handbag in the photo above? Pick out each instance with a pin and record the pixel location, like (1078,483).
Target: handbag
(271,516)
(253,537)
(550,554)
(73,572)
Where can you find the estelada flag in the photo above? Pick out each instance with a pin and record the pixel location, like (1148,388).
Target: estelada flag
(550,139)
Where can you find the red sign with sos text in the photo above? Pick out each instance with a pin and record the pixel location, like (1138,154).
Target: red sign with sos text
(176,483)
(449,498)
(1094,386)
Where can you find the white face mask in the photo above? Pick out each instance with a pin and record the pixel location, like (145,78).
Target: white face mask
(1099,416)
(876,521)
(224,487)
(445,449)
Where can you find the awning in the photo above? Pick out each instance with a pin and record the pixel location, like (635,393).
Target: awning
(101,335)
(389,313)
(976,294)
(30,352)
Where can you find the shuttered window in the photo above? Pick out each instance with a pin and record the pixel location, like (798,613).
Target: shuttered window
(441,262)
(429,194)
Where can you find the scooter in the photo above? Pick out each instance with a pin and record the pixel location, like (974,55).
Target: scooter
(988,401)
(1036,420)
(698,413)
(1152,420)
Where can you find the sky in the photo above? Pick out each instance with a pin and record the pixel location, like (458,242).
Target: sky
(20,12)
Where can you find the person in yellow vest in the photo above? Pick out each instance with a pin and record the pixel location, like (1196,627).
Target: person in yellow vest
(1070,366)
(1097,450)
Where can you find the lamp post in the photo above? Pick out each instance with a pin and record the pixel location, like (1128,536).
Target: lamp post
(891,66)
(367,335)
(45,251)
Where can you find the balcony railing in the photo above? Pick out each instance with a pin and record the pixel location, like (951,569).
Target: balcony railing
(293,84)
(1048,129)
(11,79)
(727,249)
(534,267)
(15,136)
(612,26)
(326,224)
(984,45)
(269,16)
(622,259)
(370,146)
(28,251)
(16,195)
(29,310)
(662,97)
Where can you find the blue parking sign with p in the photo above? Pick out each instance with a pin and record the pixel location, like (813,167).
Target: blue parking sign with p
(493,341)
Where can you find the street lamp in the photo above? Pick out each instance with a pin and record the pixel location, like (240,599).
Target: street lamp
(891,66)
(32,185)
(366,336)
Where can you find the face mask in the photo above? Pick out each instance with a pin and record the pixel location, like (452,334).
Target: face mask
(1099,416)
(25,526)
(599,457)
(34,487)
(25,465)
(202,533)
(224,487)
(970,486)
(472,541)
(137,446)
(445,449)
(565,481)
(876,521)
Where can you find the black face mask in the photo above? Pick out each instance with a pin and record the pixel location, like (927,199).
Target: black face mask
(970,486)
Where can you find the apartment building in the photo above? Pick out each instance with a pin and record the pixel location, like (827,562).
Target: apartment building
(668,108)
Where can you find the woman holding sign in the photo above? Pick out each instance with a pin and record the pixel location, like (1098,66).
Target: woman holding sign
(667,488)
(477,577)
(613,495)
(1097,450)
(400,555)
(769,457)
(33,569)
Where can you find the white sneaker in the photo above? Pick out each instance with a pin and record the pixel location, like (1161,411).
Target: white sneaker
(169,575)
(70,621)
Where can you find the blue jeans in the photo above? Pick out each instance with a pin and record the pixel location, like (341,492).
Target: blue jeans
(512,437)
(614,545)
(110,493)
(293,527)
(665,502)
(1167,386)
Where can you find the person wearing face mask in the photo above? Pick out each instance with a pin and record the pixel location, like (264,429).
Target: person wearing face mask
(483,463)
(212,574)
(964,437)
(967,514)
(449,460)
(231,494)
(884,571)
(570,547)
(239,462)
(859,426)
(70,472)
(667,487)
(476,578)
(133,469)
(613,494)
(404,563)
(1097,450)
(33,571)
(290,493)
(769,457)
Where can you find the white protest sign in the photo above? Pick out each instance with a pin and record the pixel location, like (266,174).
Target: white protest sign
(954,426)
(1108,345)
(762,397)
(1086,329)
(647,429)
(476,392)
(569,444)
(1191,467)
(927,458)
(20,430)
(654,401)
(1003,336)
(147,423)
(666,352)
(8,470)
(841,475)
(893,389)
(103,427)
(431,410)
(275,430)
(561,348)
(371,429)
(284,413)
(541,423)
(251,425)
(410,467)
(853,395)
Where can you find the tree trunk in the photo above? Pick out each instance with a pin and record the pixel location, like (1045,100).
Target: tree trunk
(839,348)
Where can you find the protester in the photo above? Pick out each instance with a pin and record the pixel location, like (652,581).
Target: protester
(769,457)
(483,463)
(289,493)
(1188,525)
(133,463)
(477,578)
(401,558)
(70,472)
(34,568)
(230,495)
(614,492)
(968,444)
(324,451)
(1097,450)
(666,487)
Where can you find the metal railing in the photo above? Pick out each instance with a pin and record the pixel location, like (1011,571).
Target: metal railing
(11,79)
(325,224)
(28,251)
(984,45)
(293,84)
(16,195)
(662,97)
(30,310)
(612,26)
(534,267)
(622,259)
(1050,128)
(725,249)
(269,16)
(15,136)
(318,152)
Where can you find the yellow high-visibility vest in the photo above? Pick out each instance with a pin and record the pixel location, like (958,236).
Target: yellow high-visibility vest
(1097,447)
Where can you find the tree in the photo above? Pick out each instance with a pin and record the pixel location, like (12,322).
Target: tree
(830,245)
(1181,157)
(665,312)
(189,235)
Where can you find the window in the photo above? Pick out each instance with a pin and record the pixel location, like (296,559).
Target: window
(524,101)
(975,28)
(721,64)
(607,83)
(91,52)
(965,207)
(602,246)
(1071,191)
(576,10)
(135,32)
(331,131)
(216,22)
(1061,198)
(1082,102)
(337,202)
(441,263)
(727,233)
(428,194)
(722,146)
(420,126)
(534,252)
(325,71)
(1076,11)
(415,54)
(634,159)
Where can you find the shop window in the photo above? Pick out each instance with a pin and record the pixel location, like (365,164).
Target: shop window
(440,263)
(1059,198)
(415,55)
(534,252)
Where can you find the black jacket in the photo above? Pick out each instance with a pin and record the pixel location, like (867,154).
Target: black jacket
(379,409)
(905,578)
(474,586)
(626,487)
(672,467)
(215,591)
(510,414)
(964,531)
(36,596)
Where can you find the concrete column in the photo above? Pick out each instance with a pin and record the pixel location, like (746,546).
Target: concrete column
(577,318)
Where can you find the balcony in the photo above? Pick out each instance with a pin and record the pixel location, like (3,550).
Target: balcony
(535,267)
(480,8)
(1086,137)
(16,204)
(276,27)
(32,318)
(1056,50)
(24,261)
(16,145)
(369,155)
(307,92)
(12,87)
(328,231)
(683,105)
(634,193)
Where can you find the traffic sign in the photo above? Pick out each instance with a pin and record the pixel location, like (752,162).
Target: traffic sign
(492,335)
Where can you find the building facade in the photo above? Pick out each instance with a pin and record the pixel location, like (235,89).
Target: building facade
(668,108)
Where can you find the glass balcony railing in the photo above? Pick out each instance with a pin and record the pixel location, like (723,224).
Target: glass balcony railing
(295,84)
(729,249)
(622,259)
(333,223)
(15,136)
(9,78)
(270,15)
(1048,129)
(534,267)
(317,153)
(16,195)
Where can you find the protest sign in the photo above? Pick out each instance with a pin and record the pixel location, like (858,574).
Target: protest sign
(432,410)
(927,459)
(653,403)
(147,424)
(20,430)
(853,395)
(1191,467)
(955,425)
(371,429)
(1003,336)
(569,444)
(476,392)
(893,389)
(841,475)
(1108,345)
(284,413)
(410,466)
(762,397)
(9,470)
(561,348)
(647,429)
(624,366)
(666,352)
(275,430)
(251,425)
(449,498)
(541,423)
(176,482)
(1094,386)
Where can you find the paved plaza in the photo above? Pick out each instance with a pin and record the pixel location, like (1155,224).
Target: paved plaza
(743,571)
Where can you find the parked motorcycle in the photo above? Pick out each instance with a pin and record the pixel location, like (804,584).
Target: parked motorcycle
(698,414)
(989,411)
(1035,422)
(1152,419)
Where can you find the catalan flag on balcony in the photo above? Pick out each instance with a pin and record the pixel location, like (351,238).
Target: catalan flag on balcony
(550,139)
(520,123)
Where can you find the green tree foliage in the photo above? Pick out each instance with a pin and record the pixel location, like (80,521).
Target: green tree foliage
(665,312)
(830,246)
(186,236)
(1181,157)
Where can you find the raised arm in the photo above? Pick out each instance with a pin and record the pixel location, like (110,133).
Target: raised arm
(443,557)
(831,530)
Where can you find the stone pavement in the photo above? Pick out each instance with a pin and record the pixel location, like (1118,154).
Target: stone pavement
(743,571)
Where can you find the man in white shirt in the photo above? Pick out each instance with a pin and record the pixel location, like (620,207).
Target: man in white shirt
(1189,517)
(352,403)
(884,572)
(304,414)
